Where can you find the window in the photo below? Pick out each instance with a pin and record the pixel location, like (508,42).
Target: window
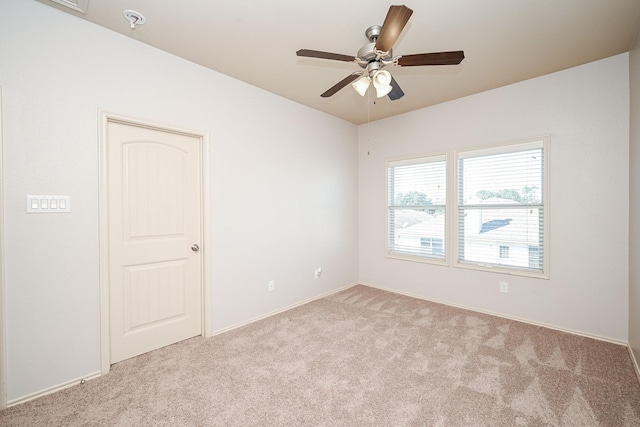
(501,208)
(534,257)
(504,252)
(417,194)
(431,246)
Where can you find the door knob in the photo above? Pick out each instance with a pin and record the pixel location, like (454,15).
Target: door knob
(195,247)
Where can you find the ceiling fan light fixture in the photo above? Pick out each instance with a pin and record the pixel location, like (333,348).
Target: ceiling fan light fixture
(381,81)
(382,78)
(383,91)
(361,85)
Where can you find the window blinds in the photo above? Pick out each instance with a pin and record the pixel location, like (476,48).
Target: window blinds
(501,210)
(417,194)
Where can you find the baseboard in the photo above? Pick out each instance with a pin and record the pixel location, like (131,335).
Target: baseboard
(634,361)
(517,319)
(273,313)
(53,389)
(78,381)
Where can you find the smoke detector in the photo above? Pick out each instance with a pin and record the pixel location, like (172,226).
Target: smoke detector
(134,18)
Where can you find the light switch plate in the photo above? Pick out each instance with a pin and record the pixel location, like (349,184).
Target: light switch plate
(48,204)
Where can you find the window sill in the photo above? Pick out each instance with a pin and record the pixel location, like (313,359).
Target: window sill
(513,271)
(420,259)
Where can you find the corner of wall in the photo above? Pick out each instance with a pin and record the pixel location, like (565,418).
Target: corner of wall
(634,202)
(634,361)
(3,360)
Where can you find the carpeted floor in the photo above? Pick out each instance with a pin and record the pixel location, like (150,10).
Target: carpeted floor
(362,357)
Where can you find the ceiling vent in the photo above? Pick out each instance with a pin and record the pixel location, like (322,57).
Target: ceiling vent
(78,5)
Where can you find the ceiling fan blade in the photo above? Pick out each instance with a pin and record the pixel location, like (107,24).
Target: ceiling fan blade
(325,55)
(342,83)
(396,92)
(394,23)
(436,58)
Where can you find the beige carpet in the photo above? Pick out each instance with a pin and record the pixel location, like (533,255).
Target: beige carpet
(362,357)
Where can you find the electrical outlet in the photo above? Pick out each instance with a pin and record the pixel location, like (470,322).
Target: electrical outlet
(317,273)
(504,287)
(271,286)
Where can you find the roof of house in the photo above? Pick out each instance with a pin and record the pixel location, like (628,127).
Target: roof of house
(510,225)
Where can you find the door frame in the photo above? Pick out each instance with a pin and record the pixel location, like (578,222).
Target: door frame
(104,119)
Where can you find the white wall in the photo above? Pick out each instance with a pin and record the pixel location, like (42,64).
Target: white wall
(268,225)
(634,202)
(585,112)
(283,185)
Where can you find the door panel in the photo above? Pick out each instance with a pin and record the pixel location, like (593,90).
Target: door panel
(155,279)
(149,166)
(156,294)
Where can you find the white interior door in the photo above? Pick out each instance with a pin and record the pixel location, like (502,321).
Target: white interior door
(155,230)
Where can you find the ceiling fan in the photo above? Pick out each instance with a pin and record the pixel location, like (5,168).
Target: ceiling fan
(377,54)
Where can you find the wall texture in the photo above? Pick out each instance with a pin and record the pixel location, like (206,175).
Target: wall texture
(634,201)
(286,187)
(56,73)
(584,111)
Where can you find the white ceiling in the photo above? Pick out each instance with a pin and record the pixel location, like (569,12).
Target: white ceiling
(505,41)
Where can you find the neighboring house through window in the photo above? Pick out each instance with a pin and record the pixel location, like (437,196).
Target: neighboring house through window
(504,252)
(501,204)
(417,194)
(432,246)
(500,216)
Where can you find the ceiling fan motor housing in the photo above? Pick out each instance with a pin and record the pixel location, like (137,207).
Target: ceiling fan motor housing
(373,32)
(367,53)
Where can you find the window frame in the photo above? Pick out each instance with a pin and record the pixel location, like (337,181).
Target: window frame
(457,240)
(414,160)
